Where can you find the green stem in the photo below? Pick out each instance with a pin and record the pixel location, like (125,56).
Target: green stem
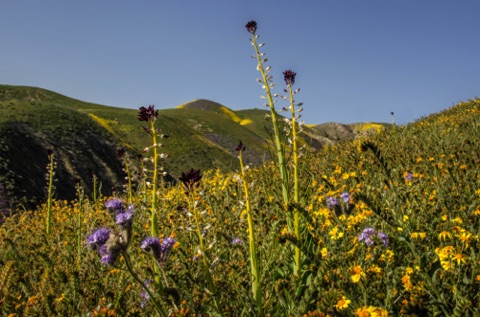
(296,215)
(278,143)
(256,287)
(154,228)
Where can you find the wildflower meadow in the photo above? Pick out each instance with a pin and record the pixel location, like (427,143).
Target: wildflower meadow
(385,225)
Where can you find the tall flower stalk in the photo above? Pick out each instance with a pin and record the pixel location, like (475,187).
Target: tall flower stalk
(289,77)
(254,266)
(51,174)
(267,84)
(148,114)
(122,154)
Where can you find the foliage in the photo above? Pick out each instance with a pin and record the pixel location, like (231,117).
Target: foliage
(429,207)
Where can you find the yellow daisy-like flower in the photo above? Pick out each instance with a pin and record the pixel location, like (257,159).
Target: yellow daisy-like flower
(342,303)
(371,311)
(357,273)
(444,235)
(418,235)
(460,258)
(465,237)
(477,278)
(324,252)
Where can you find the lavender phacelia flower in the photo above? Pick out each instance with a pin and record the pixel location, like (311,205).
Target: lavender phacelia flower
(98,237)
(147,113)
(237,240)
(251,26)
(124,219)
(167,244)
(151,245)
(345,197)
(109,255)
(368,234)
(409,177)
(159,250)
(115,205)
(383,236)
(332,202)
(289,77)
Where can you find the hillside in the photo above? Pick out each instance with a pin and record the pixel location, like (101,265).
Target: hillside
(84,138)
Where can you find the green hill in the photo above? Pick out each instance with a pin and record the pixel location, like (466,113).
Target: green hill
(84,137)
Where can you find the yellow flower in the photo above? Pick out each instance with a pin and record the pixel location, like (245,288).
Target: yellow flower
(444,235)
(374,269)
(342,303)
(357,273)
(362,312)
(324,252)
(465,237)
(62,297)
(477,278)
(335,234)
(458,220)
(420,235)
(460,258)
(371,311)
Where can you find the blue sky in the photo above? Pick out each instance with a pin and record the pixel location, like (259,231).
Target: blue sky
(355,60)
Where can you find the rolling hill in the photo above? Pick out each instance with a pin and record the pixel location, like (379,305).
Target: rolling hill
(84,138)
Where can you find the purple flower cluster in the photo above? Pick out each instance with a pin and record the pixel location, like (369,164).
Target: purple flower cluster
(109,254)
(159,250)
(368,234)
(251,26)
(147,113)
(332,202)
(345,197)
(409,177)
(100,239)
(124,219)
(115,205)
(289,77)
(111,243)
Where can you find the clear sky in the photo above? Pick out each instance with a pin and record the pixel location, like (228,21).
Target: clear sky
(356,60)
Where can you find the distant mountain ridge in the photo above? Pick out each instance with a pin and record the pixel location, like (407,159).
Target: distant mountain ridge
(85,136)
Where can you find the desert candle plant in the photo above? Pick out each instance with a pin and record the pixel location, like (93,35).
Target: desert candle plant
(50,189)
(289,77)
(267,84)
(122,154)
(149,114)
